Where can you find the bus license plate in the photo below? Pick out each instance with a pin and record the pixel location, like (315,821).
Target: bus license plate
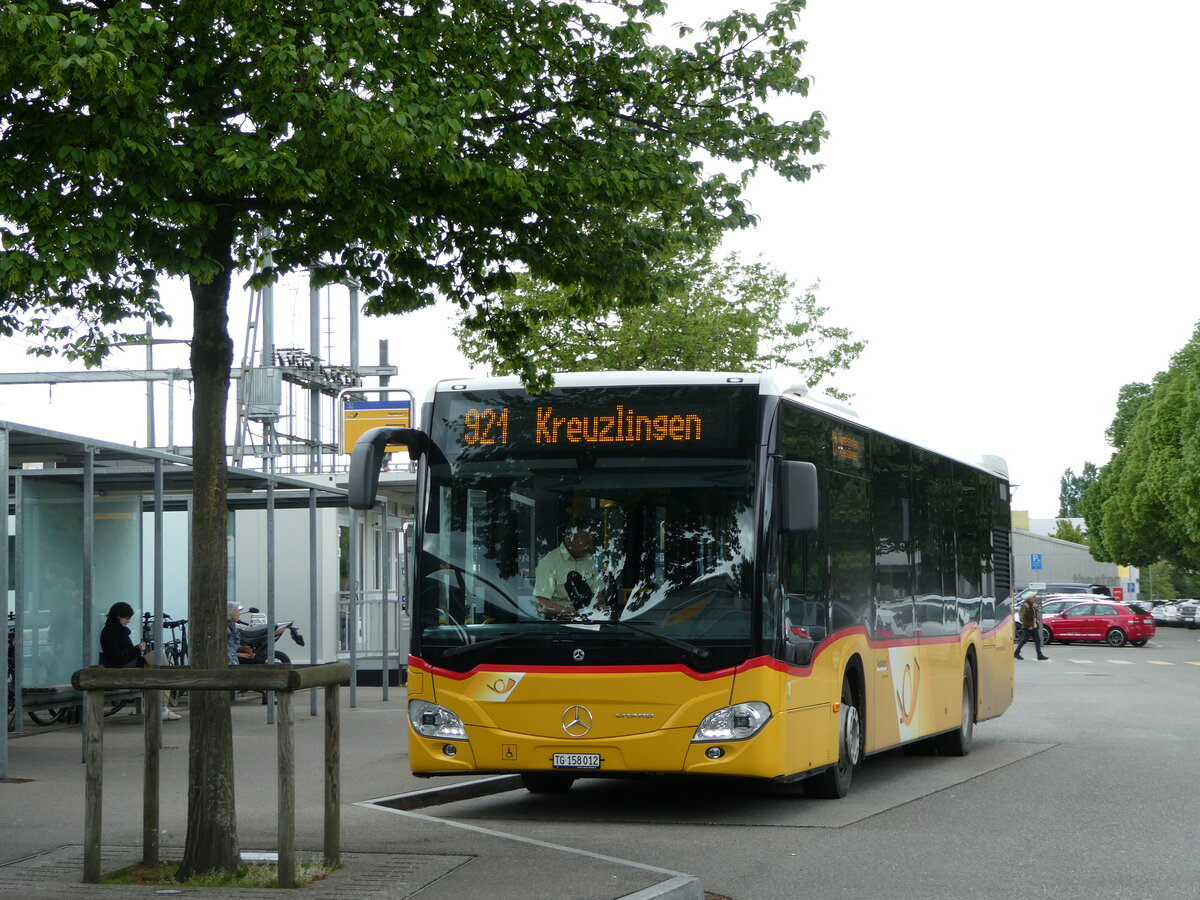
(576,760)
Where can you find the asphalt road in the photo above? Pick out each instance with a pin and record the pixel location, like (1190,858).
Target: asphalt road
(1088,787)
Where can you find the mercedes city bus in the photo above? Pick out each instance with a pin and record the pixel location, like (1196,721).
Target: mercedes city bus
(774,590)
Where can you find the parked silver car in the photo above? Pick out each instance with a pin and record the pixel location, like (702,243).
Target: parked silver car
(1167,614)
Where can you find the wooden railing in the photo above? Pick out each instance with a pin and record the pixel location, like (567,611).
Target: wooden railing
(150,680)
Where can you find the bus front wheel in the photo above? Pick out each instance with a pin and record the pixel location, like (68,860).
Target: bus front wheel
(546,782)
(834,782)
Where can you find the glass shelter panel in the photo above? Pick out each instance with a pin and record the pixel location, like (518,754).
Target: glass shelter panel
(53,608)
(52,599)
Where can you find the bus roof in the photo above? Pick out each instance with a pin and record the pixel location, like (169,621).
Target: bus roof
(788,383)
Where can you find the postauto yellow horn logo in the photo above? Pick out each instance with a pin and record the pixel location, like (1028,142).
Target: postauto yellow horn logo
(497,688)
(906,682)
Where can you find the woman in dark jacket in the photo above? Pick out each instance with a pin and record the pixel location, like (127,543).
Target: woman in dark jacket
(117,650)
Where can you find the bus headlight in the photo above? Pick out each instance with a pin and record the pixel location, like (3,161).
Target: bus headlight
(431,720)
(733,723)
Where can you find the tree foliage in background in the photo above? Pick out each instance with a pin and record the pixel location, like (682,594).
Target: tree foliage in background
(1145,505)
(1071,488)
(419,149)
(729,316)
(1130,399)
(1068,531)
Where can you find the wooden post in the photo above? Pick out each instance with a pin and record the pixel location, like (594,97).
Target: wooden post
(94,790)
(95,680)
(152,704)
(333,785)
(287,790)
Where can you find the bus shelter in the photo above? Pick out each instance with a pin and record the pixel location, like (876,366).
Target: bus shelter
(83,517)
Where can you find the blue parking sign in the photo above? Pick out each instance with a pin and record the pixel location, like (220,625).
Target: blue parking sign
(1035,560)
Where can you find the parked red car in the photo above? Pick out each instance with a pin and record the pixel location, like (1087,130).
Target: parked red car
(1108,621)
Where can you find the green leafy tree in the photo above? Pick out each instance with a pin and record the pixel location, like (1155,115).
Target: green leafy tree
(728,316)
(1068,531)
(421,150)
(1071,488)
(1143,507)
(1167,582)
(1129,401)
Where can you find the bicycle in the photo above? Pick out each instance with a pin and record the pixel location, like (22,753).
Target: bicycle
(175,651)
(38,716)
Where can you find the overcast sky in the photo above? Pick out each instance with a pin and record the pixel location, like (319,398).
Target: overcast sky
(1007,214)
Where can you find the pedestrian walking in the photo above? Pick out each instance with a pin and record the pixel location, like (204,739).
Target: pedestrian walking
(1031,626)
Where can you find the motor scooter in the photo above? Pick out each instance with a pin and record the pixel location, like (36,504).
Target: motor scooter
(255,637)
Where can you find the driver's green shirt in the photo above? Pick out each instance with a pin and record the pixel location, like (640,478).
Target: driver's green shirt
(550,577)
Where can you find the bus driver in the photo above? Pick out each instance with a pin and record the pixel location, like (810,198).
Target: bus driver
(567,579)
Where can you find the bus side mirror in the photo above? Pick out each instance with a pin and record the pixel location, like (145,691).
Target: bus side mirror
(798,491)
(366,459)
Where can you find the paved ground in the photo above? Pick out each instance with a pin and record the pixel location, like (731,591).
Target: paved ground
(388,852)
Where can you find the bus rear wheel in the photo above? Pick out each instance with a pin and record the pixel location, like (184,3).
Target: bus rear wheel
(958,742)
(834,782)
(546,782)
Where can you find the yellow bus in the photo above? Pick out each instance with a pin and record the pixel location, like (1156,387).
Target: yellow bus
(693,573)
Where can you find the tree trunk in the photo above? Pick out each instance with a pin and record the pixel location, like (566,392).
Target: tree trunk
(212,842)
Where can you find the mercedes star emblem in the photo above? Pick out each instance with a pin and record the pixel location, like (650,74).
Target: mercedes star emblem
(577,721)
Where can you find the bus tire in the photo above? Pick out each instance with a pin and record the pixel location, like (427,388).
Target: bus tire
(547,782)
(958,741)
(834,782)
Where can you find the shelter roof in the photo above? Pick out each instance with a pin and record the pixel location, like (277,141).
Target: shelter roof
(117,468)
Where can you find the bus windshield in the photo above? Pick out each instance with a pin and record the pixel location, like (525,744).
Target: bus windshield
(591,525)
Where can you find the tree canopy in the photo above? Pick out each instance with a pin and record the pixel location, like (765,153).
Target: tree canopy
(419,149)
(728,316)
(422,150)
(1143,507)
(1129,401)
(1071,488)
(1068,531)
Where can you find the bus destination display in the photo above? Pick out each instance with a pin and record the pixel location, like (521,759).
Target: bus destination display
(489,425)
(625,420)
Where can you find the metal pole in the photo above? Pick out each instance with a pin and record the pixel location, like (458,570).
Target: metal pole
(171,413)
(383,606)
(268,304)
(149,385)
(352,611)
(4,581)
(314,394)
(18,565)
(313,625)
(89,583)
(158,585)
(354,310)
(271,591)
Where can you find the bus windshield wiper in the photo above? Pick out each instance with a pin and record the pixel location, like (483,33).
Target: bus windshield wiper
(478,645)
(698,652)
